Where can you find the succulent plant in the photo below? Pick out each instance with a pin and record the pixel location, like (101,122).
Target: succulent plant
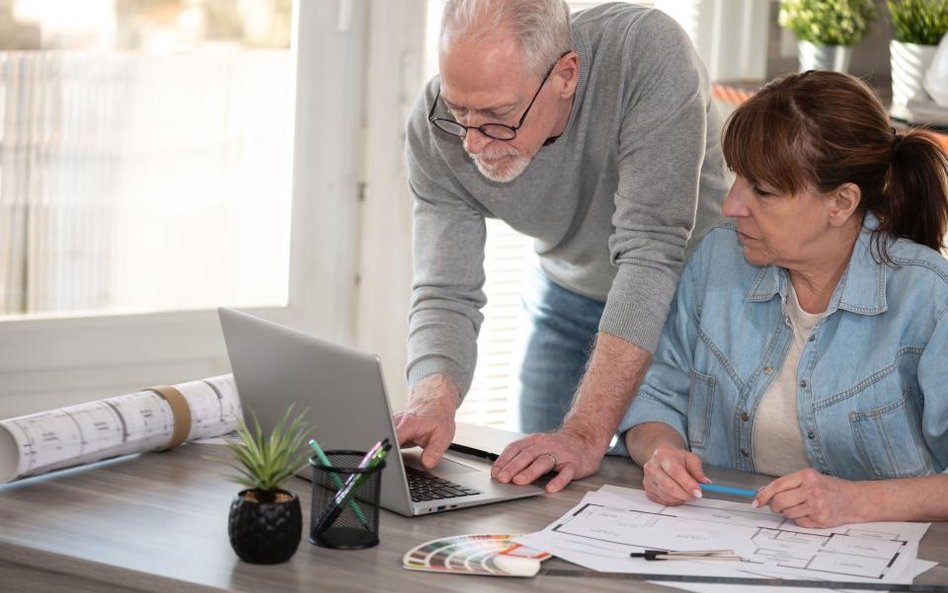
(264,462)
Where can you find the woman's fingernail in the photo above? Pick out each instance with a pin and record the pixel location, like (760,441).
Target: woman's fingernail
(696,492)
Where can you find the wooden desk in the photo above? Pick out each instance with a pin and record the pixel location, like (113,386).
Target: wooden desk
(158,523)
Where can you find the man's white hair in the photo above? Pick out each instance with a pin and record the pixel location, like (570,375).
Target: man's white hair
(541,26)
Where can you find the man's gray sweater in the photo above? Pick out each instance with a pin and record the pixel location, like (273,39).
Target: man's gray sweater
(611,204)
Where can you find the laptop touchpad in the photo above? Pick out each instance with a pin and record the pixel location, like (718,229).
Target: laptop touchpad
(448,467)
(445,467)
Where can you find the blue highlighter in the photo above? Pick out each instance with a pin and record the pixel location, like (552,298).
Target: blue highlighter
(728,490)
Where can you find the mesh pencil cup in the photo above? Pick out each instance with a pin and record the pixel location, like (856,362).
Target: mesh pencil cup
(345,502)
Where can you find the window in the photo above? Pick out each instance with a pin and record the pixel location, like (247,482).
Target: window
(491,400)
(144,155)
(86,351)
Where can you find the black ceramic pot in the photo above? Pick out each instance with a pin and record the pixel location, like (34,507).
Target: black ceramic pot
(265,532)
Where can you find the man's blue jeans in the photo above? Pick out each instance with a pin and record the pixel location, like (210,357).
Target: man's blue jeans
(560,333)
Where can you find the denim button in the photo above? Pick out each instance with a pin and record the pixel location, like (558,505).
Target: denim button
(744,452)
(768,370)
(810,434)
(812,338)
(803,384)
(745,416)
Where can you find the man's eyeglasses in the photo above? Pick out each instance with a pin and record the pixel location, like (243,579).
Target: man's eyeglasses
(491,130)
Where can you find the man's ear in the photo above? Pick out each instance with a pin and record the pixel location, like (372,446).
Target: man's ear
(567,71)
(844,201)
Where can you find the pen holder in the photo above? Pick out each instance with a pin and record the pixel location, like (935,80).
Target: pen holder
(345,502)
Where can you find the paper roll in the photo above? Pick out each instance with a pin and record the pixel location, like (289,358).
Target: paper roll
(154,419)
(180,412)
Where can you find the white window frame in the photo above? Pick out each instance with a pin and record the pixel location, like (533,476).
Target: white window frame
(45,363)
(395,72)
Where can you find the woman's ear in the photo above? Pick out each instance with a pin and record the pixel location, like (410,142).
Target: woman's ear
(844,201)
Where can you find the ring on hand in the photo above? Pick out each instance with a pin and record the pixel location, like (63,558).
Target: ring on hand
(551,456)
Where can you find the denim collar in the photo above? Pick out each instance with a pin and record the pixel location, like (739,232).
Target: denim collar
(861,289)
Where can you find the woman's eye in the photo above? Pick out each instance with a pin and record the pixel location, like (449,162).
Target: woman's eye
(762,192)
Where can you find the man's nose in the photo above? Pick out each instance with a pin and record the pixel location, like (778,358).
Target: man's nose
(475,141)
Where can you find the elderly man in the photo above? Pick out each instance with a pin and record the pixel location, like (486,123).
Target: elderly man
(595,134)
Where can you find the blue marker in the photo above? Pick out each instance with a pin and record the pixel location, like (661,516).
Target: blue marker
(728,490)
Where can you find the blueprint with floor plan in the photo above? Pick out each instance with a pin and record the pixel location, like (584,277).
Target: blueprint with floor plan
(601,531)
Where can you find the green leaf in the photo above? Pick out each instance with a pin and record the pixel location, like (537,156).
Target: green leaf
(918,21)
(828,22)
(264,461)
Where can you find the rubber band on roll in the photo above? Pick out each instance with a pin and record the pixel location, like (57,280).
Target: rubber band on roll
(180,411)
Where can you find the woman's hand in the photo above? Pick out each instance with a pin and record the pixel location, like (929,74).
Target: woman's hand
(672,475)
(811,499)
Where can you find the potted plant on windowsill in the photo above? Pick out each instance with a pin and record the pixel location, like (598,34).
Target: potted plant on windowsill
(917,27)
(265,522)
(826,30)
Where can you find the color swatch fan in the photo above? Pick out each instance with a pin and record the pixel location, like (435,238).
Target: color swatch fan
(487,554)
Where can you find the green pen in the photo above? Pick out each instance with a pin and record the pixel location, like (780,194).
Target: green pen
(338,482)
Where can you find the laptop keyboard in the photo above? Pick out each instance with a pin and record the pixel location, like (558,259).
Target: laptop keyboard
(424,486)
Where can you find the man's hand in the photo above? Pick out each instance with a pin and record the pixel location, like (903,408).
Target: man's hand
(616,368)
(565,451)
(429,419)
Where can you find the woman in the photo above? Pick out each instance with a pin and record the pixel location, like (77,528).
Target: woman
(809,340)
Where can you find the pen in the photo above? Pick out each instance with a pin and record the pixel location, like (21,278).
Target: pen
(728,490)
(371,459)
(473,451)
(686,555)
(338,481)
(355,479)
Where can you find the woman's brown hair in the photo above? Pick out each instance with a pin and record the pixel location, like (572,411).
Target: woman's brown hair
(821,129)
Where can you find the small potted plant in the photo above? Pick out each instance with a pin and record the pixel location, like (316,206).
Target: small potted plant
(266,523)
(826,30)
(917,27)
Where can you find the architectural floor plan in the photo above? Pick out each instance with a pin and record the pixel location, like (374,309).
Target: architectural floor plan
(760,537)
(607,525)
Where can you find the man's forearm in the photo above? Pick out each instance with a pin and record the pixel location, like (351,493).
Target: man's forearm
(612,378)
(436,390)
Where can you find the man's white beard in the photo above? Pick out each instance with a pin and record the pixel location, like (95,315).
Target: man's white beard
(506,172)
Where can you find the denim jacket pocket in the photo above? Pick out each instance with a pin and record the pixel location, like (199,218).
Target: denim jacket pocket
(700,405)
(888,441)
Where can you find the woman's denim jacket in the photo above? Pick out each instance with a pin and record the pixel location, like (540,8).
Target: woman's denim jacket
(872,383)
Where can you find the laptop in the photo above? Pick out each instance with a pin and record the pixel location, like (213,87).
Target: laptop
(348,408)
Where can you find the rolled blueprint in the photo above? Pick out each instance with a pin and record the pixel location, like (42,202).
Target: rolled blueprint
(149,420)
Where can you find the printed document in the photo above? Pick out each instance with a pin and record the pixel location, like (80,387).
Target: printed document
(607,525)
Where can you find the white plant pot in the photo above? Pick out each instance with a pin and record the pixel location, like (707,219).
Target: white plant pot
(909,63)
(823,57)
